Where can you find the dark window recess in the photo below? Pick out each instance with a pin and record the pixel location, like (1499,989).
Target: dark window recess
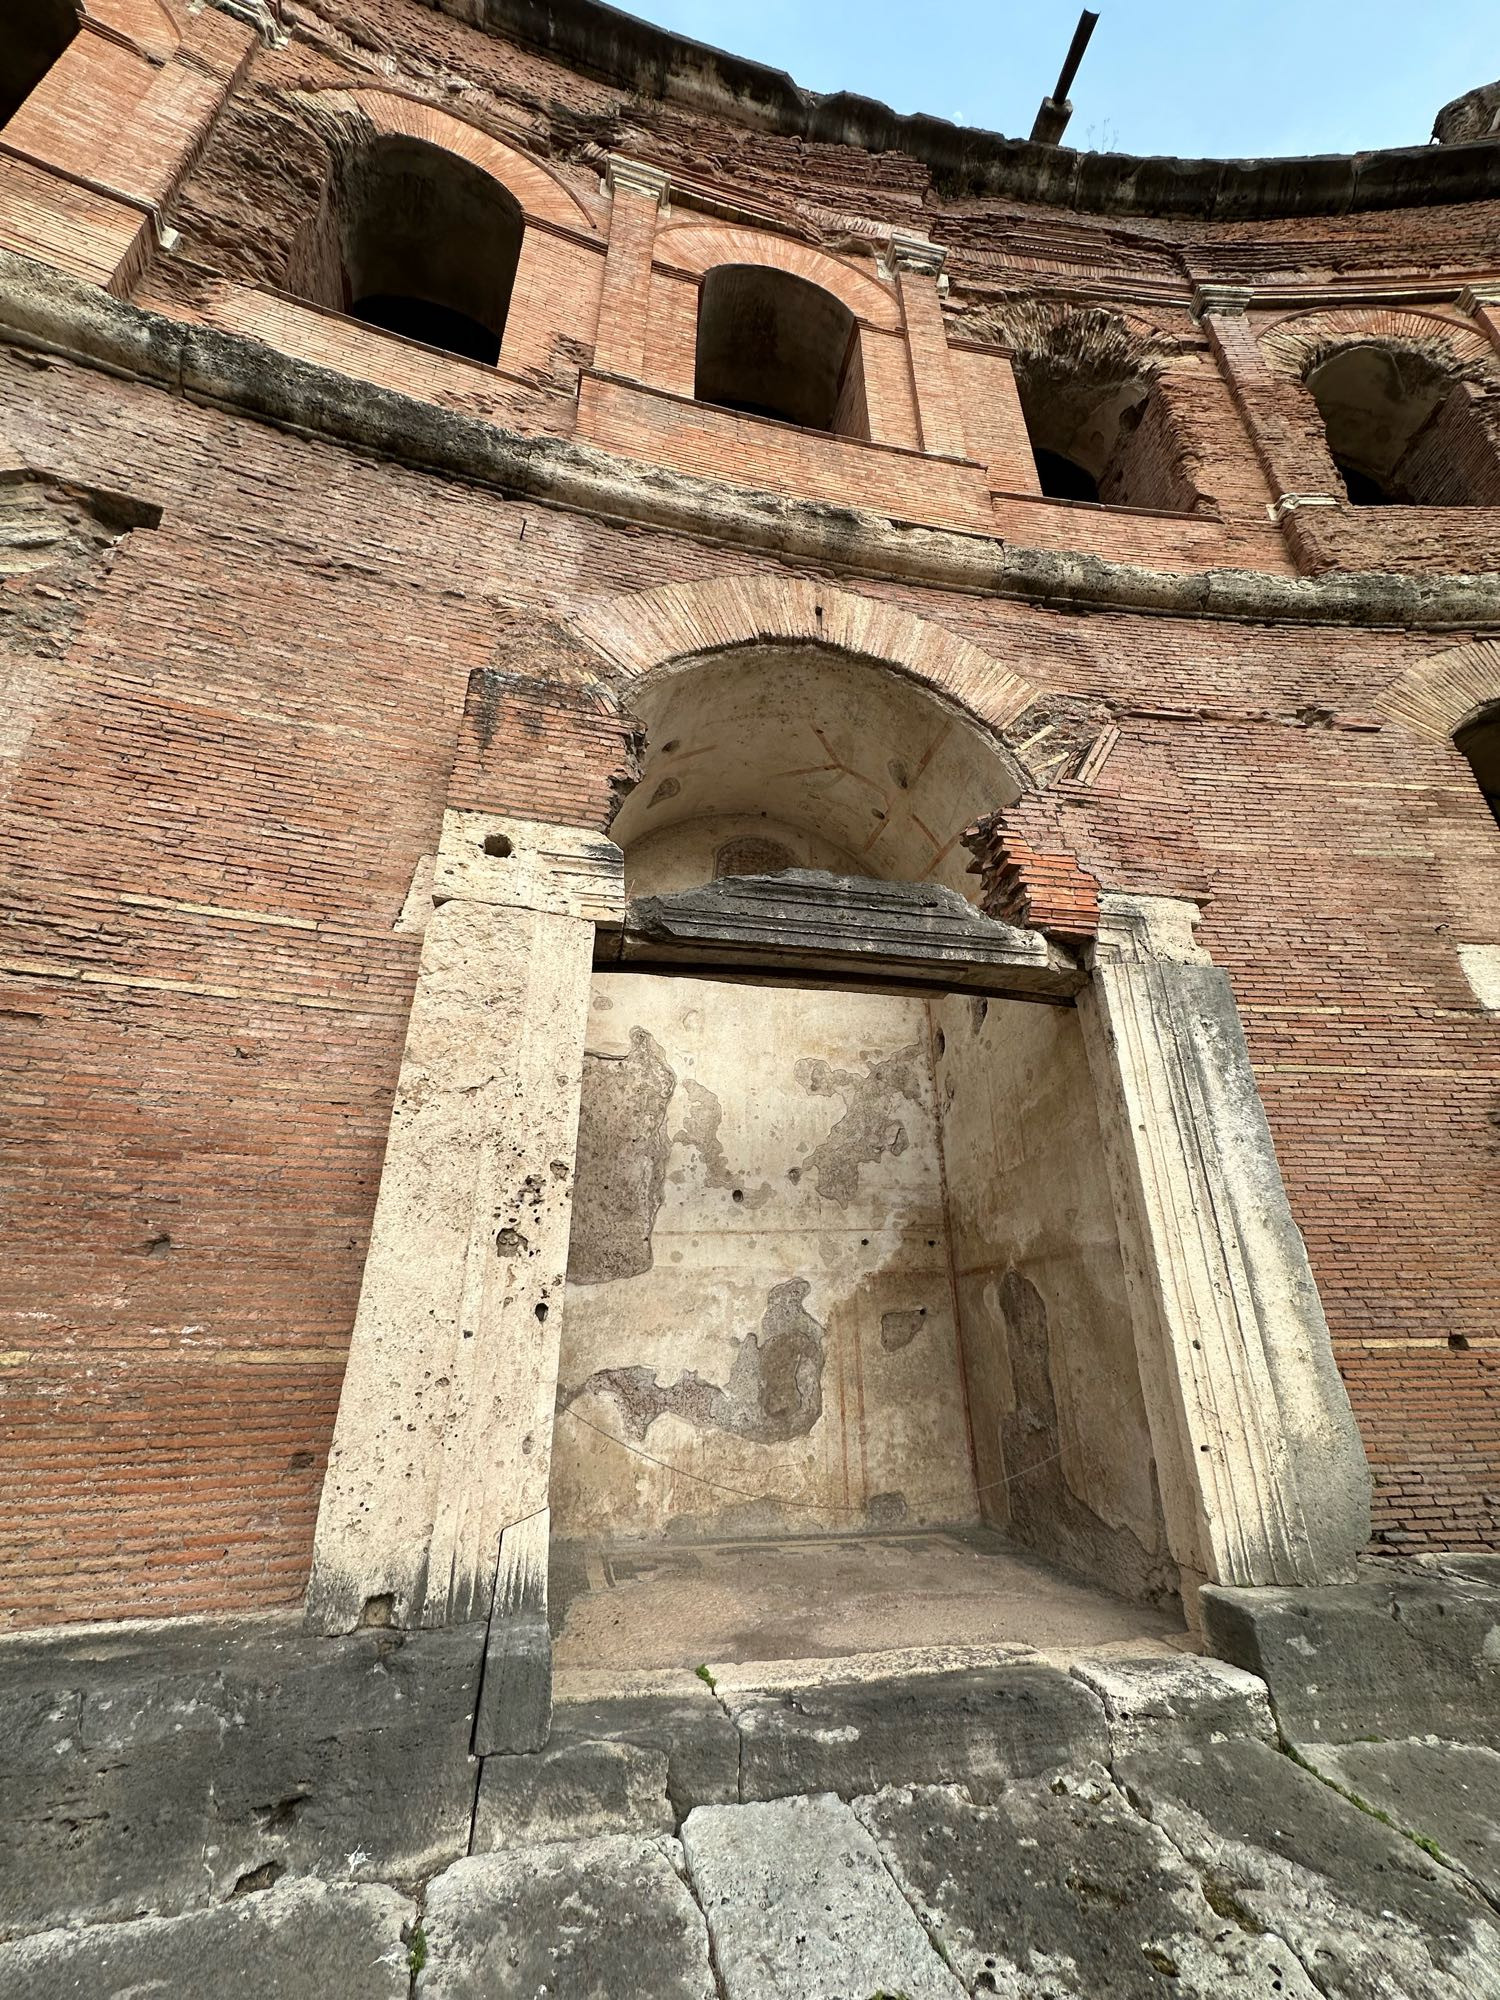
(430,247)
(778,346)
(1402,428)
(1061,479)
(1480,743)
(433,325)
(32,37)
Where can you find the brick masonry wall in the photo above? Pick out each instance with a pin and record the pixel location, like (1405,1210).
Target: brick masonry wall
(230,756)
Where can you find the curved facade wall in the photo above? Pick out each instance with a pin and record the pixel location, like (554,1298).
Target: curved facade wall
(285,589)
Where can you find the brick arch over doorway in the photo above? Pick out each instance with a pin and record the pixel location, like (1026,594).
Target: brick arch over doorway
(648,629)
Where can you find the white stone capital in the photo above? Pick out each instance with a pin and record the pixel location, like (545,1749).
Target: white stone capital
(638,178)
(1222,301)
(910,252)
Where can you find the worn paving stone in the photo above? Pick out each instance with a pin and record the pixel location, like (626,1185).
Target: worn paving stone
(978,1729)
(801,1906)
(1448,1793)
(1152,1703)
(303,1940)
(572,1791)
(1365,1910)
(1058,1888)
(578,1920)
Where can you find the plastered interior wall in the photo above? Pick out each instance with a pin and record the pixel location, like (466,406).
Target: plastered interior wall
(1062,1444)
(758,1284)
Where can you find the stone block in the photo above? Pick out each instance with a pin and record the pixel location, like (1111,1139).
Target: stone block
(1363,1907)
(976,1729)
(1152,1703)
(570,1791)
(1394,1654)
(799,1903)
(302,1940)
(1058,1887)
(587,1918)
(637,1762)
(1444,1795)
(154,1768)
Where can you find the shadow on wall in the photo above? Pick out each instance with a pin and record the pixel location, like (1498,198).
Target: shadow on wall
(32,38)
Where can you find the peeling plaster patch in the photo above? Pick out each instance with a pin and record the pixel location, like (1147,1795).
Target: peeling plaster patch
(870,1125)
(900,1329)
(775,1388)
(700,1131)
(622,1162)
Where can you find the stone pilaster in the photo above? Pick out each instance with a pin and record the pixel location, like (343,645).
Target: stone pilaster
(639,193)
(443,1438)
(1298,473)
(1262,1473)
(918,265)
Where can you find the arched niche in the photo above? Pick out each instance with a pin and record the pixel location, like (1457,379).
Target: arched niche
(430,246)
(1479,741)
(35,34)
(1376,401)
(773,344)
(809,758)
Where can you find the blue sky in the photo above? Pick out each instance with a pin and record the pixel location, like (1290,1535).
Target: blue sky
(1222,77)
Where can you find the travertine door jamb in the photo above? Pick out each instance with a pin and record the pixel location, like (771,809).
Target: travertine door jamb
(1263,1477)
(443,1439)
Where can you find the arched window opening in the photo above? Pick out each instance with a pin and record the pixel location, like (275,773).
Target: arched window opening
(1099,438)
(773,345)
(430,247)
(1479,741)
(1400,429)
(35,34)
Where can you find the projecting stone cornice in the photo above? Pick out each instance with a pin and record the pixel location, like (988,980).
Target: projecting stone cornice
(652,62)
(44,311)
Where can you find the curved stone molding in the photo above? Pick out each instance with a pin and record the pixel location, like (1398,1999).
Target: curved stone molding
(646,629)
(1293,344)
(1439,694)
(542,196)
(699,246)
(47,312)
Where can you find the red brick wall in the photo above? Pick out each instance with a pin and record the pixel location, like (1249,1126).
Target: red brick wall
(235,750)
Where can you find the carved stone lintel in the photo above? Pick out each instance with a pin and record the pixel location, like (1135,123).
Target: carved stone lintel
(653,182)
(804,917)
(1477,298)
(1223,301)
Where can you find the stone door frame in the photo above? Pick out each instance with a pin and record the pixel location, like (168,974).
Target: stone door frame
(435,1504)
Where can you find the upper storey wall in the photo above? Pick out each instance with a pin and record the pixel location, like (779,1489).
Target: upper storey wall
(1067,378)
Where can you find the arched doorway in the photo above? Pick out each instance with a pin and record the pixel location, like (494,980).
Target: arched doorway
(843,1256)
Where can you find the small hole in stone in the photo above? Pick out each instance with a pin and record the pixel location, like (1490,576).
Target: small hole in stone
(940,1042)
(256,1879)
(299,1461)
(541,1309)
(498,847)
(158,1246)
(379,1610)
(794,1174)
(738,1195)
(668,748)
(1459,1342)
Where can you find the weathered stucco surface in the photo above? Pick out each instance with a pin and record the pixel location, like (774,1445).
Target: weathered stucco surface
(1061,1439)
(758,1287)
